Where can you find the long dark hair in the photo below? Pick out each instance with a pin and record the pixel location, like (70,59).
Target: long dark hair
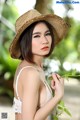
(25,41)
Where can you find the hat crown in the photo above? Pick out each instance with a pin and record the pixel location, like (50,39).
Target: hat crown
(26,17)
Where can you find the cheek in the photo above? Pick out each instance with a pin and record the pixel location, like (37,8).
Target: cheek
(50,41)
(35,45)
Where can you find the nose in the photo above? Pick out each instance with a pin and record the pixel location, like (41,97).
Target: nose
(44,40)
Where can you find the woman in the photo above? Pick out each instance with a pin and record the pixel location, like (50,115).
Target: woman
(36,36)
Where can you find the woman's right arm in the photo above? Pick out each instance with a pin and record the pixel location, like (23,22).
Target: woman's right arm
(31,85)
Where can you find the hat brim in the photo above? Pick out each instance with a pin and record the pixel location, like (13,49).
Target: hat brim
(60,28)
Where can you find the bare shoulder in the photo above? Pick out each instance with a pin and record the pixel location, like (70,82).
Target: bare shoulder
(30,75)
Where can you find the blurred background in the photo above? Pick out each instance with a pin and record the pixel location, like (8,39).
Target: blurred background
(64,60)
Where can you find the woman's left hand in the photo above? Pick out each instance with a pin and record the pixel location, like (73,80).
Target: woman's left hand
(57,84)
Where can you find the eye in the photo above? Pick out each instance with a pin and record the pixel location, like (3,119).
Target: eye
(36,36)
(48,34)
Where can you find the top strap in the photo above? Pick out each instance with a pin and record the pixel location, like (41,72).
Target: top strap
(18,79)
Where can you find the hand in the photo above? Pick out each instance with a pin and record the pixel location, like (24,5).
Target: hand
(57,84)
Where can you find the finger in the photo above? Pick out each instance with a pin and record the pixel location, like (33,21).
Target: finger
(52,82)
(53,87)
(60,78)
(55,77)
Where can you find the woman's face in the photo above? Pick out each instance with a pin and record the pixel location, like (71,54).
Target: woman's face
(41,40)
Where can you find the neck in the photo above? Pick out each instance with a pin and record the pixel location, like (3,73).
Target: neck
(39,61)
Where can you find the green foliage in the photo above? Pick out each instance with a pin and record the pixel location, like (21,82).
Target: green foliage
(61,108)
(8,91)
(7,64)
(55,117)
(70,74)
(69,50)
(10,12)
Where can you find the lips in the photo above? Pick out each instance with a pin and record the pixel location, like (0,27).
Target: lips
(46,47)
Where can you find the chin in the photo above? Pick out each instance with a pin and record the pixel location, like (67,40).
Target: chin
(46,53)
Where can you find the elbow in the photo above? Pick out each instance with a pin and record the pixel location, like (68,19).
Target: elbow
(27,117)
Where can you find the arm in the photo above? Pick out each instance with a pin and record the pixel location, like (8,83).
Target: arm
(30,98)
(58,87)
(31,85)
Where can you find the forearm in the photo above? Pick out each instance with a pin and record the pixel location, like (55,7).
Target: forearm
(43,112)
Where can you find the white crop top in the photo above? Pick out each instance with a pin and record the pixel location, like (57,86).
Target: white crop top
(17,103)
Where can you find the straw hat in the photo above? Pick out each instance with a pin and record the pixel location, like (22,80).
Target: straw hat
(60,28)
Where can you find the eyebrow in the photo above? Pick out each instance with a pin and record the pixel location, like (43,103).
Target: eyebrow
(40,32)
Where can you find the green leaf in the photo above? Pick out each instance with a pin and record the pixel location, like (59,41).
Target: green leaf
(50,77)
(55,118)
(60,107)
(61,103)
(67,111)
